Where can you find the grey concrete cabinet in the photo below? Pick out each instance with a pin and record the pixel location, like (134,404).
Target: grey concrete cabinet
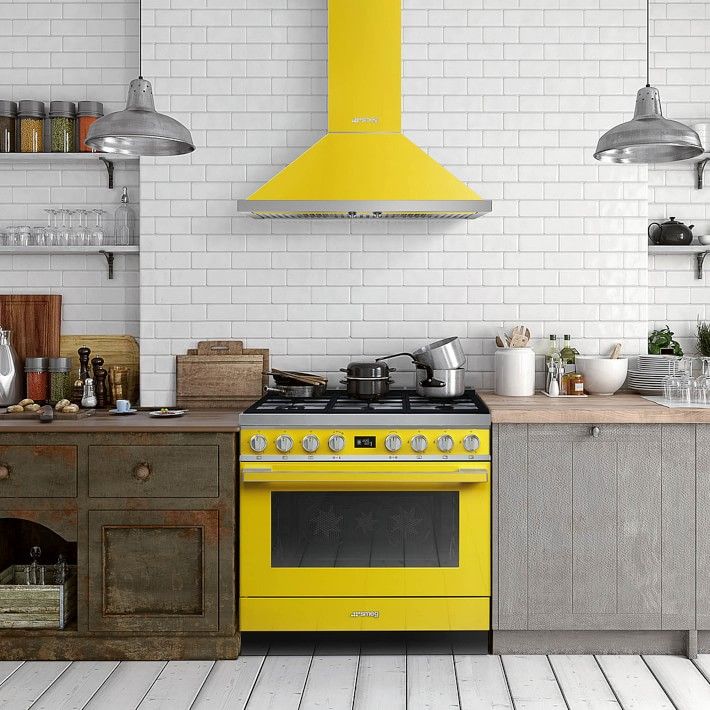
(596,532)
(703,526)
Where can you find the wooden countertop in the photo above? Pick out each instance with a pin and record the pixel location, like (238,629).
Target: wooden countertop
(620,408)
(213,420)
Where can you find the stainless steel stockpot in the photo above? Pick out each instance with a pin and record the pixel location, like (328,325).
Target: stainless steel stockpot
(446,354)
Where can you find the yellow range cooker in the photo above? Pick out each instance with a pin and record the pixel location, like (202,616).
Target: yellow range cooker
(365,516)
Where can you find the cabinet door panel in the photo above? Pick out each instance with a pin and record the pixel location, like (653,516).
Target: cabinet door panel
(153,570)
(703,525)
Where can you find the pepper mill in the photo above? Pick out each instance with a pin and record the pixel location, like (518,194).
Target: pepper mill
(101,388)
(84,353)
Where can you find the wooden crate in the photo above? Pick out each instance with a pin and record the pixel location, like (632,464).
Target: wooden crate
(36,606)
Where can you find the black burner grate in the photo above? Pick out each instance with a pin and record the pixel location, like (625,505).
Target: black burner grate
(395,402)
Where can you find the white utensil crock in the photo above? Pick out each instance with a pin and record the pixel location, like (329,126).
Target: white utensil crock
(515,372)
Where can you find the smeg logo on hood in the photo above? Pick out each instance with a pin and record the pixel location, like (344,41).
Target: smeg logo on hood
(365,119)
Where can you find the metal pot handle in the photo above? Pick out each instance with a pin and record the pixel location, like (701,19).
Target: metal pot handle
(431,382)
(657,233)
(278,390)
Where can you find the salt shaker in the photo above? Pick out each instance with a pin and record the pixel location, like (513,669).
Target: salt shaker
(88,401)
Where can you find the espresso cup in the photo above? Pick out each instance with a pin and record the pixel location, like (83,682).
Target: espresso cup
(123,405)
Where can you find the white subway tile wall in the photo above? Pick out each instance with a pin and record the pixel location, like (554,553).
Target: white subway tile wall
(70,51)
(511,96)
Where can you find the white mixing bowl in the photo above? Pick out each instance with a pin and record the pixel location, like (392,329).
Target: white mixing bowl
(602,375)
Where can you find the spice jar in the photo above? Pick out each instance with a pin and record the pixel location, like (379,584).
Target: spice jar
(8,115)
(60,381)
(31,126)
(37,378)
(62,126)
(89,112)
(575,386)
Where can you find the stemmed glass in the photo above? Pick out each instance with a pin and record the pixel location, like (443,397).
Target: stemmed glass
(701,384)
(50,231)
(64,232)
(98,233)
(82,233)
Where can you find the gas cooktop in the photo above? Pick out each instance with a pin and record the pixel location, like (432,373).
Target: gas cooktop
(402,407)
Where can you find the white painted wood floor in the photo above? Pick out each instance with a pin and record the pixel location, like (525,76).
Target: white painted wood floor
(365,678)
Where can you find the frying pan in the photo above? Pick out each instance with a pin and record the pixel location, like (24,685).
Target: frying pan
(297,391)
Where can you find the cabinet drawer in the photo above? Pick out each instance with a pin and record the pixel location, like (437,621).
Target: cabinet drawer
(154,471)
(38,471)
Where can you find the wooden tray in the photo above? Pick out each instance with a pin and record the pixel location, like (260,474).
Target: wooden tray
(36,606)
(81,414)
(221,374)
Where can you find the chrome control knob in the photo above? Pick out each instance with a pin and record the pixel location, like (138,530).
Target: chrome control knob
(257,443)
(336,443)
(310,443)
(445,443)
(419,443)
(284,443)
(471,442)
(393,442)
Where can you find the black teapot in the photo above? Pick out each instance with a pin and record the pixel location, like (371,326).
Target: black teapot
(670,233)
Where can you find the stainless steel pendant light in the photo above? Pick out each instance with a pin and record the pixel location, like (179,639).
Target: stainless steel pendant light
(648,137)
(139,129)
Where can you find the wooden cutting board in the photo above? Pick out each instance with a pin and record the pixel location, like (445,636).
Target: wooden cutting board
(35,321)
(116,350)
(221,373)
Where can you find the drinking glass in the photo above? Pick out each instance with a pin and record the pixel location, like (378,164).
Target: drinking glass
(701,384)
(24,236)
(50,231)
(64,234)
(98,233)
(82,233)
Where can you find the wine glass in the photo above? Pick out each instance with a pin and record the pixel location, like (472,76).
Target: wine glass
(64,233)
(98,233)
(82,233)
(50,231)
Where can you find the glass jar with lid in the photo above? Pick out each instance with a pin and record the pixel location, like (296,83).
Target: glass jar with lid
(31,126)
(37,378)
(62,126)
(8,116)
(60,380)
(87,114)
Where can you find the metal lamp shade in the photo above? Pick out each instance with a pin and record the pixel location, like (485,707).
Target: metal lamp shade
(648,137)
(139,129)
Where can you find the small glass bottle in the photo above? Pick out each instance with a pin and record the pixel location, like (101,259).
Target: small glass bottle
(60,381)
(31,126)
(124,221)
(62,126)
(568,354)
(8,116)
(88,113)
(37,377)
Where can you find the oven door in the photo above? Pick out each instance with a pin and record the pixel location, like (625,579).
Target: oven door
(378,529)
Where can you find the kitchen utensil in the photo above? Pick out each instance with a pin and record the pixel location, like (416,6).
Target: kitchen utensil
(121,355)
(518,338)
(298,391)
(615,351)
(368,380)
(11,385)
(442,384)
(221,373)
(670,233)
(46,413)
(602,375)
(285,377)
(35,322)
(501,342)
(515,372)
(446,354)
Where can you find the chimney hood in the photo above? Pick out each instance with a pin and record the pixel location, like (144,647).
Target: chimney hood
(364,167)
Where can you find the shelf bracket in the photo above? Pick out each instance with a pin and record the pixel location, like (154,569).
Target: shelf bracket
(700,258)
(700,168)
(109,259)
(109,169)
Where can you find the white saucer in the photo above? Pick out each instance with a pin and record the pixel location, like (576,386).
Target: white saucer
(120,414)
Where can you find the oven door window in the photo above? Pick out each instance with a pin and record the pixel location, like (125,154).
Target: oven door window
(365,529)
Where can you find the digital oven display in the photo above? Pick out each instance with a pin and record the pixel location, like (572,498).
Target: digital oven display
(365,442)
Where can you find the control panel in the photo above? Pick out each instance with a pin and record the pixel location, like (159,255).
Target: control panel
(404,444)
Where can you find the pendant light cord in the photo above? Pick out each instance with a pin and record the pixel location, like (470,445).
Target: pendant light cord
(140,39)
(648,42)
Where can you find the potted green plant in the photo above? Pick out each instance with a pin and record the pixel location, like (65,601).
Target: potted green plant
(703,331)
(662,339)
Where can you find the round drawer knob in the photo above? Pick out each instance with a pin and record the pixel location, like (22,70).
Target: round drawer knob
(257,443)
(284,443)
(595,431)
(336,443)
(471,442)
(142,471)
(419,443)
(445,443)
(4,471)
(310,443)
(393,442)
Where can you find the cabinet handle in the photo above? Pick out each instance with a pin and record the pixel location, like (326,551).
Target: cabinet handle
(142,471)
(595,431)
(4,471)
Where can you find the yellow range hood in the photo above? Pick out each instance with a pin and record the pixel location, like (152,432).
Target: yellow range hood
(364,166)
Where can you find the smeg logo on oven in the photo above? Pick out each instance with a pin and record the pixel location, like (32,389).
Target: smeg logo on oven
(368,614)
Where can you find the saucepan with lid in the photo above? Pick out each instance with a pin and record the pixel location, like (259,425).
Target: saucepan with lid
(367,380)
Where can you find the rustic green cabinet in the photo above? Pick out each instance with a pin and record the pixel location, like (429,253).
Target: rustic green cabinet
(595,527)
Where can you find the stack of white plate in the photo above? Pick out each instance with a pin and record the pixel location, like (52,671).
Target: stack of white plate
(647,377)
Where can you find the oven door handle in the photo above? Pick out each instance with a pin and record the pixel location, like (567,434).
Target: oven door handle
(268,475)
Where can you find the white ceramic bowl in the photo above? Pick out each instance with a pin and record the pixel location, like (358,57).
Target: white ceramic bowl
(704,239)
(602,375)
